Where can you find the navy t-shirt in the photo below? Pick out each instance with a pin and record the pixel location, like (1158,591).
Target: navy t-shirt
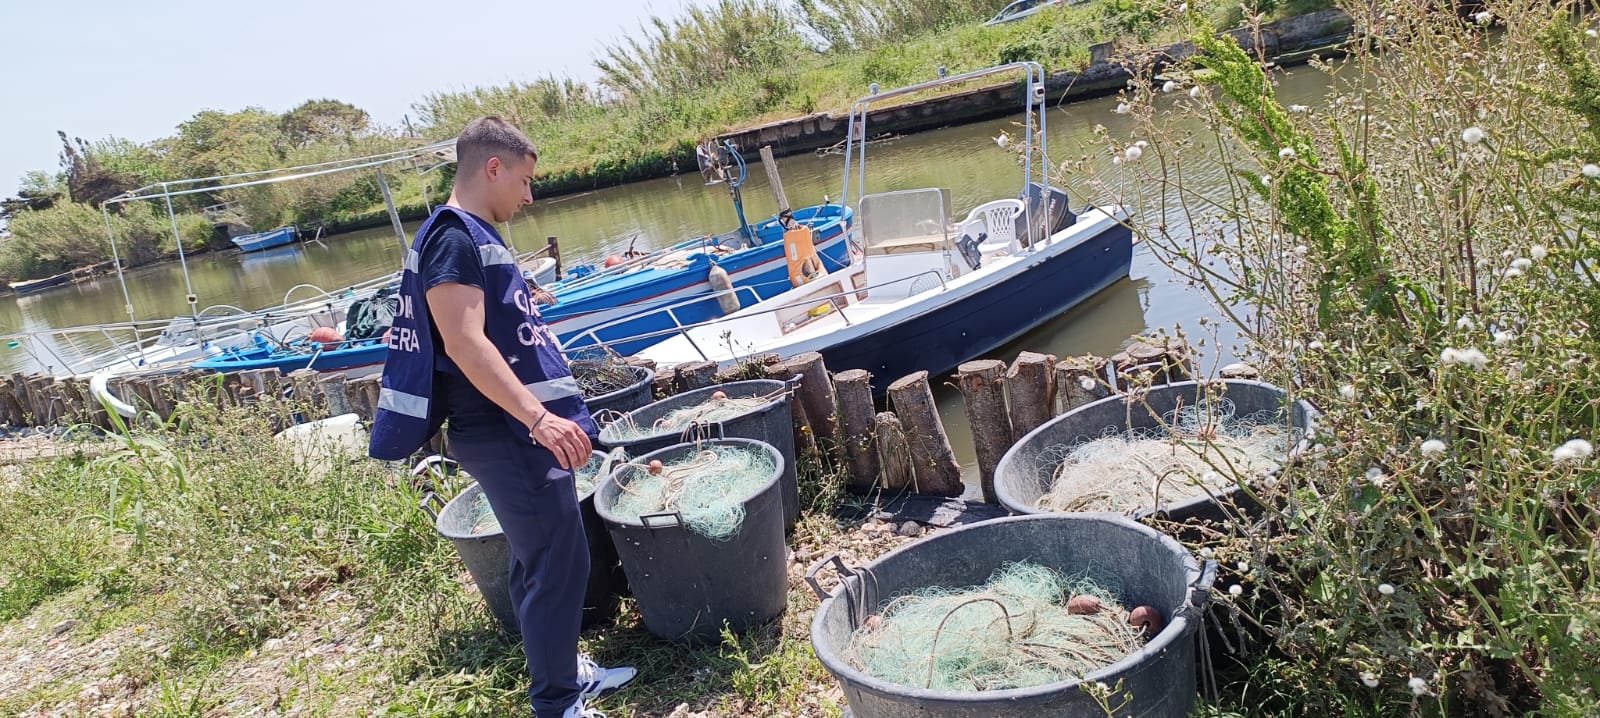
(450,256)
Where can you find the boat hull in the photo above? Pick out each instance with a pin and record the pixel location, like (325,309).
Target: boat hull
(39,285)
(354,361)
(265,240)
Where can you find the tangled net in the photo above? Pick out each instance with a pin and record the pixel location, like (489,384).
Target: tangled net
(707,489)
(1013,632)
(1203,450)
(679,421)
(585,477)
(601,374)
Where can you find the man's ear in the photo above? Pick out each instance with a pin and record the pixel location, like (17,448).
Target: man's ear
(493,167)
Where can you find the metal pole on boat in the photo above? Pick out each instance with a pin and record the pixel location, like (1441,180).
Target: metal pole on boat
(188,285)
(394,216)
(116,261)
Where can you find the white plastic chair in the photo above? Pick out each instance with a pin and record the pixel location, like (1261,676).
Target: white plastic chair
(998,220)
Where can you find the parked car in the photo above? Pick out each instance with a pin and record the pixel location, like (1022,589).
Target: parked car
(1021,9)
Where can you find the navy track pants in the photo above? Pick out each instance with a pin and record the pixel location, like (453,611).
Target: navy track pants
(537,505)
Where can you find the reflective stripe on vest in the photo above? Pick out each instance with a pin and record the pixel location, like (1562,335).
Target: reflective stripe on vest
(554,389)
(400,402)
(415,406)
(493,254)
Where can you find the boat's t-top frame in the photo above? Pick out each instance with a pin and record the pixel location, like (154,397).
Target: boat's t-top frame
(1034,109)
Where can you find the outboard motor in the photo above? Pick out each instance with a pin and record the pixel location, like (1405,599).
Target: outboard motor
(1046,214)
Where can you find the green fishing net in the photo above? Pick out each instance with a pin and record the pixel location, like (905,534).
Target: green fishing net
(679,421)
(707,488)
(1014,631)
(484,520)
(1202,449)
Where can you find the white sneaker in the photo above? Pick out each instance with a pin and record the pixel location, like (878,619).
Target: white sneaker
(579,710)
(595,681)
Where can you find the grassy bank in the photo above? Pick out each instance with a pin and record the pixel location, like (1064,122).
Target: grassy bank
(649,124)
(203,572)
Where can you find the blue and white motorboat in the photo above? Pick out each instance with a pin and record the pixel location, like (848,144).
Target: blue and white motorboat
(929,293)
(265,240)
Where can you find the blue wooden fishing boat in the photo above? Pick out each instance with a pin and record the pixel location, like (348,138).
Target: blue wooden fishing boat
(356,358)
(265,240)
(750,267)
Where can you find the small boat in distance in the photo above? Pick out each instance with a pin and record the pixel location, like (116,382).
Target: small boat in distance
(39,285)
(265,240)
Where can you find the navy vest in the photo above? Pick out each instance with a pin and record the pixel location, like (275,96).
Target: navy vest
(407,413)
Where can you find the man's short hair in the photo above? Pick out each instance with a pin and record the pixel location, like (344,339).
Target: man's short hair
(491,136)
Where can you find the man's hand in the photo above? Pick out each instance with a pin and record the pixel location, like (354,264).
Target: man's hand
(543,296)
(563,438)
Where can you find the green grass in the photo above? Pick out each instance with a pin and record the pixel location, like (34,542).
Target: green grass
(212,563)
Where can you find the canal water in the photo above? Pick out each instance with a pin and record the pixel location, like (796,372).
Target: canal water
(965,160)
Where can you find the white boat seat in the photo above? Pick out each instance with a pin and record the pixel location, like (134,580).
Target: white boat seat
(996,222)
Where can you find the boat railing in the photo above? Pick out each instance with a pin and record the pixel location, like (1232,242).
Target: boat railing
(89,348)
(593,333)
(680,328)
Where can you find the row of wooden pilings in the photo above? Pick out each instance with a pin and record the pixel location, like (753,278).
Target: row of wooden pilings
(38,400)
(905,448)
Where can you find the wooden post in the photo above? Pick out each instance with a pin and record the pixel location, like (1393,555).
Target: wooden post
(933,461)
(770,164)
(555,251)
(264,382)
(1031,392)
(19,394)
(856,413)
(983,391)
(304,383)
(144,388)
(804,442)
(1080,380)
(10,410)
(1179,360)
(695,375)
(373,386)
(1138,364)
(816,394)
(231,385)
(157,392)
(356,398)
(72,410)
(1239,371)
(664,384)
(894,452)
(331,388)
(39,393)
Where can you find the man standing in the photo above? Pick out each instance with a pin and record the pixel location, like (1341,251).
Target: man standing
(468,345)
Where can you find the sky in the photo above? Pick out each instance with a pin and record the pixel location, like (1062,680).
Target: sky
(135,70)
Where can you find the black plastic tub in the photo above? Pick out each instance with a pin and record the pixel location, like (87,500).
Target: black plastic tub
(1025,471)
(488,557)
(687,585)
(771,423)
(1152,569)
(609,406)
